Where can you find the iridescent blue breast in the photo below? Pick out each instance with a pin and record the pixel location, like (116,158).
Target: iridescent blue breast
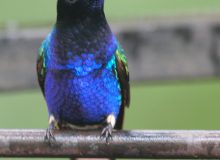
(85,99)
(81,84)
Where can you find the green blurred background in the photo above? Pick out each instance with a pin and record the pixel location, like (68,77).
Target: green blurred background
(41,12)
(154,105)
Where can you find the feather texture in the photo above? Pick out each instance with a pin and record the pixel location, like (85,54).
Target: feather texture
(123,76)
(82,70)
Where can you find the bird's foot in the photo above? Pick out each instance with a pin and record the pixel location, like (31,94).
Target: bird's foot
(107,133)
(107,130)
(49,136)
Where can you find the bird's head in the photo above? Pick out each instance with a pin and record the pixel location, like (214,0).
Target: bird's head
(76,8)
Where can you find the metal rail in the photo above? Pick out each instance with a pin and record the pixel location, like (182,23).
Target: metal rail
(125,144)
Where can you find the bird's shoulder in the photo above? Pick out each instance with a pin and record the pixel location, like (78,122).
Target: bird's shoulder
(41,61)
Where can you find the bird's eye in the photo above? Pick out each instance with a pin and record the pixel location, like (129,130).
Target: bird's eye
(71,1)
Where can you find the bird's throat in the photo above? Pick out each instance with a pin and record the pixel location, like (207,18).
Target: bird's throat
(79,10)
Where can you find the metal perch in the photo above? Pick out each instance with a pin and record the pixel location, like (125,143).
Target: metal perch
(125,144)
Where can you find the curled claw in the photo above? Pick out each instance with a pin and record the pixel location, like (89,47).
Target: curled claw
(107,133)
(49,137)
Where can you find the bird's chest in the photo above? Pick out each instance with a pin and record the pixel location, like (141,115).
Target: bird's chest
(80,62)
(79,49)
(83,100)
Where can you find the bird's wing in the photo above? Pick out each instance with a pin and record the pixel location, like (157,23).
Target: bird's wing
(123,76)
(41,66)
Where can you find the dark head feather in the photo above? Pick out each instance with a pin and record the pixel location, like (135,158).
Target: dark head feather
(72,9)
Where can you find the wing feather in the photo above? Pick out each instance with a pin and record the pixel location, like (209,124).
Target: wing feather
(41,67)
(123,76)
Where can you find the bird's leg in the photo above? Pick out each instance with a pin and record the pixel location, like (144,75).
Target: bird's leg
(107,130)
(53,124)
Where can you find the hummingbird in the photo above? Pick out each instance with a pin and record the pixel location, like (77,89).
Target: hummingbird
(82,70)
